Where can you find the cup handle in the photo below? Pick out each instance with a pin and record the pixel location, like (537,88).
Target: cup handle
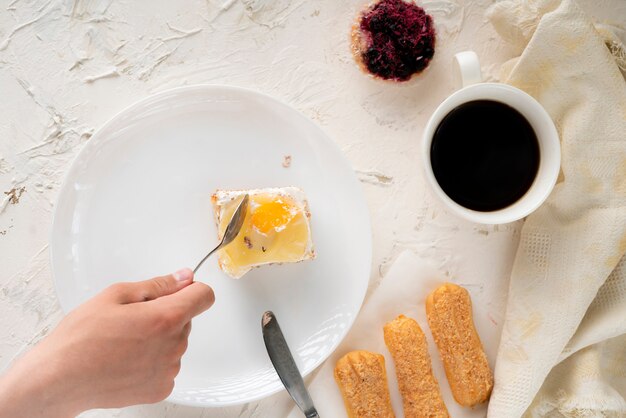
(468,67)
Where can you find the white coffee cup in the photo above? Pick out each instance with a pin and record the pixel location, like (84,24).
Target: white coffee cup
(547,136)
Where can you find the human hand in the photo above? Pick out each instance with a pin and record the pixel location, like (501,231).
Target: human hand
(122,347)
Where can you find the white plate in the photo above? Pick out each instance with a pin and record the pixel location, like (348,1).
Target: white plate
(136,204)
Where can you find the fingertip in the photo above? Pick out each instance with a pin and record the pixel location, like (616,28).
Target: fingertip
(183,275)
(205,297)
(194,298)
(208,293)
(211,296)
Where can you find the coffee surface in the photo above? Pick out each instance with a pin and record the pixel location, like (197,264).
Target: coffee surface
(485,155)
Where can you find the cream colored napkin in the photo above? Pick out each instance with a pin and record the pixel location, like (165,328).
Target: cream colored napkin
(402,291)
(562,311)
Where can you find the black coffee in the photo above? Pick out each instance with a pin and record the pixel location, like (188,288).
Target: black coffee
(484,155)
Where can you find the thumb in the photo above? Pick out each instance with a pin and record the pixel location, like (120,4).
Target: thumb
(151,289)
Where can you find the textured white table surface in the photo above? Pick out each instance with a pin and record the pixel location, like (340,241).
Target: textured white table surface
(66,67)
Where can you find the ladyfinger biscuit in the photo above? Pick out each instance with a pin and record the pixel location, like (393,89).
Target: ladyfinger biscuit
(419,389)
(449,312)
(362,380)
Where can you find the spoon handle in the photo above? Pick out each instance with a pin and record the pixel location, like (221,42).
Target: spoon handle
(232,229)
(206,258)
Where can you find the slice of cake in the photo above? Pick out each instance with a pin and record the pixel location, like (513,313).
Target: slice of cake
(276,228)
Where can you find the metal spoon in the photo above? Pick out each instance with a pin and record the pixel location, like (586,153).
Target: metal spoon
(232,230)
(285,366)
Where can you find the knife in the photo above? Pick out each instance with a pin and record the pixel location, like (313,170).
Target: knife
(285,366)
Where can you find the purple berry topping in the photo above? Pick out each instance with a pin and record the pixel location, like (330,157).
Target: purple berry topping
(399,39)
